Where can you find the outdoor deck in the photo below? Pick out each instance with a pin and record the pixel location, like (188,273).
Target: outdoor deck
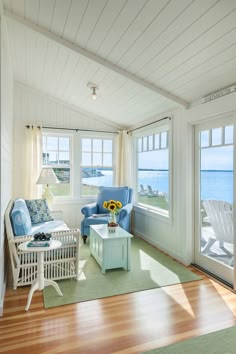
(216,252)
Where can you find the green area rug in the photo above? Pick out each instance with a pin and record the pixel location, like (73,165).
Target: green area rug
(149,269)
(220,342)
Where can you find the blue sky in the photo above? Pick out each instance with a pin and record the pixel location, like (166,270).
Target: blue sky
(218,158)
(157,160)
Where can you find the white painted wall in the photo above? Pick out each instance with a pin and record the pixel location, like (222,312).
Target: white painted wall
(32,107)
(176,237)
(6,147)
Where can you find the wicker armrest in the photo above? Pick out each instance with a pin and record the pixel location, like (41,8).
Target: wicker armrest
(56,214)
(67,235)
(20,239)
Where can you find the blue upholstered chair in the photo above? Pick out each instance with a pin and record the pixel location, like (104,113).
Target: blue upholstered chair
(91,211)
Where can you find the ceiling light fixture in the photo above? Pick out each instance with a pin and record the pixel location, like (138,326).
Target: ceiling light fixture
(93,87)
(94,95)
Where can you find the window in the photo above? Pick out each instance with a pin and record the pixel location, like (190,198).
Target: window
(152,161)
(96,164)
(57,154)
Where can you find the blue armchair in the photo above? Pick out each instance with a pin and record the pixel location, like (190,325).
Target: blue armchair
(123,194)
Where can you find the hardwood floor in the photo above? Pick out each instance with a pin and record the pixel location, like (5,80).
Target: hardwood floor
(124,324)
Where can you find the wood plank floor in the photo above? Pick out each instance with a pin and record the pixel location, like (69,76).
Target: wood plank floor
(124,324)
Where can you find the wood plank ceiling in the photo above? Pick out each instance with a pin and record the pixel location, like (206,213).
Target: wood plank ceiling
(187,48)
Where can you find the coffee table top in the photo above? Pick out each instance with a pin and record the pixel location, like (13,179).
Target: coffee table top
(102,231)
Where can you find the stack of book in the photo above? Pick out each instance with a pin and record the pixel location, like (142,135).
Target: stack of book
(40,240)
(39,243)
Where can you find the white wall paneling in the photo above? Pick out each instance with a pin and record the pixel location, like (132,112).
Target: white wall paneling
(6,148)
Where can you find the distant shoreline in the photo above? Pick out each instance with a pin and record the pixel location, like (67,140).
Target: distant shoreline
(217,171)
(152,169)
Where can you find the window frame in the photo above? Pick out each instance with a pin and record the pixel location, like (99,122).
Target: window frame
(159,127)
(75,161)
(102,136)
(53,133)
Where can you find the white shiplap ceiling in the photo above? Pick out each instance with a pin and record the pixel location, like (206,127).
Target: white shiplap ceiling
(148,57)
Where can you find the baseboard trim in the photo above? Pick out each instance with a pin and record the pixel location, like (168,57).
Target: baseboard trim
(161,248)
(2,298)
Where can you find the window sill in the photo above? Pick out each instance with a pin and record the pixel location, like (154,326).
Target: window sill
(158,214)
(71,200)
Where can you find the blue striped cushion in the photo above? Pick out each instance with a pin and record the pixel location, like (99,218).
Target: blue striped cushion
(20,218)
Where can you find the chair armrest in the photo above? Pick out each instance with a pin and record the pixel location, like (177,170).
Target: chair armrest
(126,210)
(66,234)
(20,239)
(89,209)
(70,239)
(56,214)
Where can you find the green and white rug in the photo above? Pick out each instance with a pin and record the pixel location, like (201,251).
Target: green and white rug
(220,342)
(150,269)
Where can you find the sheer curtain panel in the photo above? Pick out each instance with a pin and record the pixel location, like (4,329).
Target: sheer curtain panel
(124,171)
(33,162)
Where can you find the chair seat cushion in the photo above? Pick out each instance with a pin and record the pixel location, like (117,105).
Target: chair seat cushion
(49,226)
(93,221)
(120,194)
(38,210)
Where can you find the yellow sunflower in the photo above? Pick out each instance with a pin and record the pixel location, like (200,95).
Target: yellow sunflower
(119,204)
(105,205)
(112,207)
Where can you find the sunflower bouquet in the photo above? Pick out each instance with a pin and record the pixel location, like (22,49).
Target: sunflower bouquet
(114,207)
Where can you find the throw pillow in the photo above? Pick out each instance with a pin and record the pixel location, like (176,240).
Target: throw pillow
(38,209)
(20,218)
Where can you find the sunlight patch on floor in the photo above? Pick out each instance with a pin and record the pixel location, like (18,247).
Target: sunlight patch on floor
(181,299)
(81,266)
(151,264)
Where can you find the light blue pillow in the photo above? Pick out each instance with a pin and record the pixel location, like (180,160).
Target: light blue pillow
(20,218)
(38,210)
(116,193)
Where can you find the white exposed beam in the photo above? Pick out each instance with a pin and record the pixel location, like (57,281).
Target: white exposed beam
(77,49)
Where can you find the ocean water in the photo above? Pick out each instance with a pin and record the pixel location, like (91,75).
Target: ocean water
(158,180)
(214,184)
(217,185)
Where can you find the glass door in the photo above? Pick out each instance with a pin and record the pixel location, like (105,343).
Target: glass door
(214,229)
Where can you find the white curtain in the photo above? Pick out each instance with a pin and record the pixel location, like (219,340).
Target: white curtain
(124,158)
(33,162)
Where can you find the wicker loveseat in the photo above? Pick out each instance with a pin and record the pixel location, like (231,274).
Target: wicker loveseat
(59,264)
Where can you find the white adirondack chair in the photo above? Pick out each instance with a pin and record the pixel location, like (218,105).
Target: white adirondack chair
(220,215)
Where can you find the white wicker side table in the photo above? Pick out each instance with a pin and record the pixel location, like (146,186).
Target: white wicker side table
(40,282)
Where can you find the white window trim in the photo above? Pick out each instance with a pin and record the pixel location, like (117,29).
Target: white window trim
(75,162)
(158,213)
(64,133)
(96,135)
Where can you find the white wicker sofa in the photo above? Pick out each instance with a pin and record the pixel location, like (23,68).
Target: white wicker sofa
(59,264)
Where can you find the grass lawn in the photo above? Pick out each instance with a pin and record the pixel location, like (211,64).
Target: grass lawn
(63,189)
(159,202)
(60,190)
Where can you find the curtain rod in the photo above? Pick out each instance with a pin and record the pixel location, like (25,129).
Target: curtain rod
(77,129)
(146,125)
